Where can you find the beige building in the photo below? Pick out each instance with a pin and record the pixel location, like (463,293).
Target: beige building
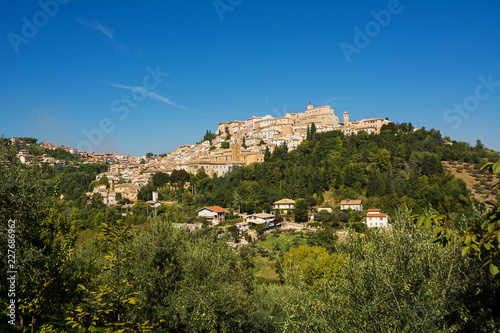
(370,125)
(323,115)
(351,204)
(284,205)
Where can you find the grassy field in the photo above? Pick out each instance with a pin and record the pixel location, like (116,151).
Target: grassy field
(280,241)
(265,271)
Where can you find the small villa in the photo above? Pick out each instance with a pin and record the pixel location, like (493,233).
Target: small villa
(260,218)
(212,213)
(376,219)
(351,204)
(284,204)
(242,226)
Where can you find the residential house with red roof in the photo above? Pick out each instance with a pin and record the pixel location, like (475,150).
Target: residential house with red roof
(212,213)
(376,219)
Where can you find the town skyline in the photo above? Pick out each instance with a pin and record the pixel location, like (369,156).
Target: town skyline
(71,73)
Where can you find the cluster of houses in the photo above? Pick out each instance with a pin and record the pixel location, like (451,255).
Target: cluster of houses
(242,142)
(216,214)
(86,157)
(25,157)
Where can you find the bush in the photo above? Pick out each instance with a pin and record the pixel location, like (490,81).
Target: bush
(195,283)
(398,282)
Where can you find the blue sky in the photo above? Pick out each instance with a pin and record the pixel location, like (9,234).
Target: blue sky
(93,74)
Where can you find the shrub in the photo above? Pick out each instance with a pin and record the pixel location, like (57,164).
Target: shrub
(395,282)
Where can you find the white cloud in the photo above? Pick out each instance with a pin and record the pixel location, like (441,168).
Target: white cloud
(150,94)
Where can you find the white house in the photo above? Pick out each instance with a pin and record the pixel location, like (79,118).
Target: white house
(376,219)
(242,226)
(284,204)
(213,213)
(351,204)
(260,218)
(25,159)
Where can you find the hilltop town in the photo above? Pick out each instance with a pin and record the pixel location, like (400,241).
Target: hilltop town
(235,143)
(238,143)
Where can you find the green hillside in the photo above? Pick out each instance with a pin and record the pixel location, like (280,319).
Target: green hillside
(131,273)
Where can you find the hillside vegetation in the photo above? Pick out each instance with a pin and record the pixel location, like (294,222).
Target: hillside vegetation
(480,183)
(144,275)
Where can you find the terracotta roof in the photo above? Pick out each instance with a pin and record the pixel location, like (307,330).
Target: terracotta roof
(376,215)
(215,209)
(374,210)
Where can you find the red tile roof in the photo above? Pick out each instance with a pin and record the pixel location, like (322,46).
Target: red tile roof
(216,209)
(376,215)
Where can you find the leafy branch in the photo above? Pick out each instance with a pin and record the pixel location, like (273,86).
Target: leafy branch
(482,242)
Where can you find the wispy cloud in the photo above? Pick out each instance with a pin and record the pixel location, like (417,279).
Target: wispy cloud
(150,94)
(98,27)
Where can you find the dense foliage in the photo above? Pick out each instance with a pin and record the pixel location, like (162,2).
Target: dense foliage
(399,166)
(141,274)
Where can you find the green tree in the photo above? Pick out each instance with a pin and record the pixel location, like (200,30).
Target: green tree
(110,296)
(209,136)
(481,239)
(42,238)
(96,201)
(394,281)
(194,282)
(375,186)
(178,178)
(103,181)
(309,265)
(160,179)
(431,164)
(146,192)
(301,210)
(28,140)
(384,160)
